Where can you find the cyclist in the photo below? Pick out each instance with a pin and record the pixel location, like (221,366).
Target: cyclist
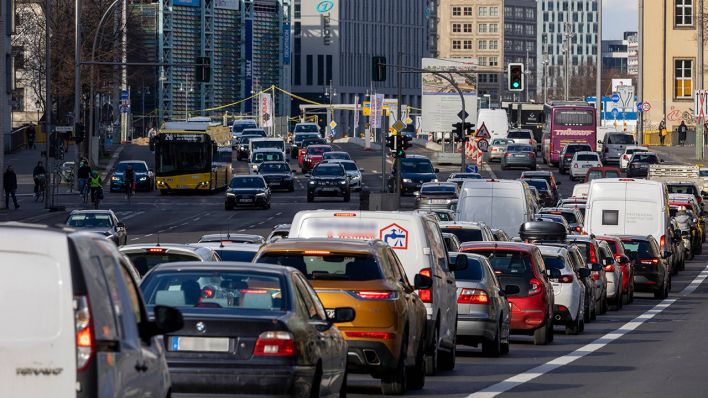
(128,180)
(38,175)
(84,173)
(96,185)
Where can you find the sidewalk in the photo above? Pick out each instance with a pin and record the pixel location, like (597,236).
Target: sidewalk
(685,155)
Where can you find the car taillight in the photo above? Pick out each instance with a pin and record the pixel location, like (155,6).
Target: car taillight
(653,261)
(593,255)
(566,279)
(278,344)
(662,242)
(595,276)
(535,286)
(578,229)
(626,157)
(84,332)
(375,295)
(473,296)
(507,155)
(426,295)
(371,335)
(609,268)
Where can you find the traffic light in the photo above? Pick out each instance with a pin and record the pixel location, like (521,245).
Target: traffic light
(515,76)
(462,130)
(202,70)
(391,142)
(406,141)
(378,69)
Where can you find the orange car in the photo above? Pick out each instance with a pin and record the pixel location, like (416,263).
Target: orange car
(386,340)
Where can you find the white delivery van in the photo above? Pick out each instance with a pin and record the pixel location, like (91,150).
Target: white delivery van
(501,204)
(266,143)
(581,190)
(496,121)
(627,206)
(418,242)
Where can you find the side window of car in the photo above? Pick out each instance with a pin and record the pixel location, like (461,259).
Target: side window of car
(312,303)
(400,271)
(133,295)
(437,248)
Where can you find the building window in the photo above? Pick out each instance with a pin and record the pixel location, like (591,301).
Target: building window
(482,78)
(482,61)
(468,28)
(456,11)
(519,29)
(309,70)
(493,61)
(297,69)
(493,11)
(493,44)
(530,30)
(493,78)
(508,28)
(530,46)
(518,13)
(468,44)
(482,45)
(482,28)
(493,28)
(18,100)
(320,70)
(298,11)
(18,54)
(328,69)
(530,14)
(482,11)
(683,78)
(456,28)
(468,11)
(507,45)
(456,45)
(684,13)
(508,11)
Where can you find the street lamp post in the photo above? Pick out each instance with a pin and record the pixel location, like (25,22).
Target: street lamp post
(37,104)
(330,92)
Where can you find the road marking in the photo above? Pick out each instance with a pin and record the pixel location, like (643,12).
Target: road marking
(278,213)
(197,219)
(241,230)
(251,226)
(129,216)
(134,239)
(261,223)
(531,374)
(183,224)
(148,235)
(489,170)
(270,218)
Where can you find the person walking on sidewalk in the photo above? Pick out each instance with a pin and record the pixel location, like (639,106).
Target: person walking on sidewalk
(683,130)
(662,132)
(30,137)
(10,186)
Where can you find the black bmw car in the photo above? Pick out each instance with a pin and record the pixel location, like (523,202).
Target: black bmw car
(144,178)
(247,190)
(328,179)
(277,175)
(249,330)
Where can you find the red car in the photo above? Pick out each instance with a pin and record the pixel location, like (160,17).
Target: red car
(522,265)
(595,173)
(625,263)
(312,156)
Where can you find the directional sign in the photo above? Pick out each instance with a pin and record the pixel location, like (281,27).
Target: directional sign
(124,95)
(483,132)
(399,125)
(483,145)
(124,108)
(615,97)
(615,113)
(471,168)
(462,115)
(700,103)
(640,107)
(332,124)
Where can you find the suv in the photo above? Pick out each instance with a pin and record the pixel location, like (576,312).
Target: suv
(78,326)
(566,155)
(415,170)
(328,179)
(297,140)
(613,146)
(594,173)
(522,137)
(303,153)
(522,265)
(468,231)
(387,337)
(651,270)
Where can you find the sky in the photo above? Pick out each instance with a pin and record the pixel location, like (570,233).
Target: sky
(618,16)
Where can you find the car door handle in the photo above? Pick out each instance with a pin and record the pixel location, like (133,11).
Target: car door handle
(141,367)
(450,282)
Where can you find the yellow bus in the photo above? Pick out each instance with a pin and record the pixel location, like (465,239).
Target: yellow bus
(187,158)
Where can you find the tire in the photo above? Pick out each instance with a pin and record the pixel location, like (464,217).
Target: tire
(343,388)
(431,359)
(586,314)
(447,359)
(603,305)
(397,385)
(416,373)
(492,348)
(540,335)
(573,328)
(505,348)
(593,314)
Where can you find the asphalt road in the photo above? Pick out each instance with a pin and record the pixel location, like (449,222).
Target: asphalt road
(650,348)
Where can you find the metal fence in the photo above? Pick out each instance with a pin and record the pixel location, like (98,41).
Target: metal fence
(16,139)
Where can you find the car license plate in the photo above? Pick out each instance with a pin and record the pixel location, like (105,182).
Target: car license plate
(436,201)
(520,155)
(586,166)
(329,189)
(245,200)
(182,187)
(205,344)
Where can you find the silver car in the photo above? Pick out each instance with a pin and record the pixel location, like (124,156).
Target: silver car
(483,310)
(497,148)
(352,170)
(519,155)
(436,195)
(613,146)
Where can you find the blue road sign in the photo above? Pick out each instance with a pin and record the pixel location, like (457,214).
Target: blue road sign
(471,168)
(615,112)
(124,95)
(639,107)
(615,97)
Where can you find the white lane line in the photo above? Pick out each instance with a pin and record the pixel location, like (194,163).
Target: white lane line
(278,213)
(196,219)
(270,218)
(489,170)
(133,215)
(521,378)
(251,226)
(148,235)
(183,224)
(134,239)
(241,230)
(261,223)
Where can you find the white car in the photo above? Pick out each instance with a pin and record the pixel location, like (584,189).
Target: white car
(568,289)
(627,155)
(353,171)
(581,162)
(522,137)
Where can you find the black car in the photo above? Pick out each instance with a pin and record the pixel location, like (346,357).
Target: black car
(104,222)
(249,330)
(243,150)
(639,163)
(297,141)
(415,170)
(328,179)
(544,189)
(566,155)
(247,190)
(144,177)
(651,269)
(277,175)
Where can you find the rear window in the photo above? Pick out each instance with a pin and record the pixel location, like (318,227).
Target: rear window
(541,185)
(588,158)
(235,255)
(474,271)
(569,216)
(213,289)
(327,265)
(613,245)
(438,189)
(647,158)
(554,262)
(585,249)
(90,220)
(144,262)
(620,139)
(638,249)
(508,262)
(578,148)
(687,189)
(519,134)
(317,150)
(519,148)
(465,234)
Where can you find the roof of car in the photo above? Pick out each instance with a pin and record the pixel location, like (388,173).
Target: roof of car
(496,245)
(441,183)
(461,224)
(230,236)
(201,251)
(258,150)
(240,247)
(536,173)
(132,161)
(220,266)
(345,152)
(323,244)
(586,153)
(634,237)
(87,211)
(552,249)
(246,175)
(415,157)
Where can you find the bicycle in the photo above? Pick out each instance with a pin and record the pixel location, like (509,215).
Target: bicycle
(84,189)
(97,196)
(41,187)
(129,186)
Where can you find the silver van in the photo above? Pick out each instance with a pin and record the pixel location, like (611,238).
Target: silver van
(78,326)
(613,146)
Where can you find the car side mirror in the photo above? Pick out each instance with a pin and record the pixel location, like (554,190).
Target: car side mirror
(623,260)
(666,254)
(511,290)
(596,267)
(120,225)
(584,272)
(553,273)
(167,320)
(437,170)
(460,263)
(422,282)
(343,315)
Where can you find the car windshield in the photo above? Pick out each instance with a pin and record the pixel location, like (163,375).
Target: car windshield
(703,172)
(634,150)
(349,166)
(256,132)
(336,155)
(325,265)
(247,182)
(245,256)
(259,157)
(317,150)
(473,272)
(147,260)
(246,140)
(416,166)
(90,220)
(470,176)
(519,134)
(687,189)
(315,141)
(519,148)
(620,139)
(328,170)
(594,174)
(138,167)
(301,137)
(588,157)
(215,290)
(508,262)
(554,262)
(541,185)
(435,188)
(239,126)
(274,168)
(577,148)
(306,128)
(465,234)
(442,216)
(500,141)
(645,158)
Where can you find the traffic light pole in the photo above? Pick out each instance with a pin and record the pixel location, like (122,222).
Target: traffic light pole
(397,161)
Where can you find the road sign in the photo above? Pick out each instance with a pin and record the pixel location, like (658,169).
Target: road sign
(700,103)
(408,120)
(615,97)
(483,145)
(124,95)
(63,129)
(124,108)
(332,124)
(626,96)
(482,132)
(640,107)
(399,125)
(462,115)
(646,106)
(471,168)
(615,112)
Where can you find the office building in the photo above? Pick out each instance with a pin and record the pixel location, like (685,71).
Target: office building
(520,24)
(615,53)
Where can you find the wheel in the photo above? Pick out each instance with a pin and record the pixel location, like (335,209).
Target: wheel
(492,348)
(431,359)
(505,348)
(447,359)
(663,293)
(397,383)
(573,327)
(343,388)
(310,198)
(347,197)
(540,335)
(416,373)
(533,168)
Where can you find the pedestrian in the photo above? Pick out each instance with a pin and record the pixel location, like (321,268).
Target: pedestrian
(30,137)
(662,132)
(683,130)
(10,186)
(39,175)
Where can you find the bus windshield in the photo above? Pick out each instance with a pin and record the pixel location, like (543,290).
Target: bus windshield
(568,117)
(180,157)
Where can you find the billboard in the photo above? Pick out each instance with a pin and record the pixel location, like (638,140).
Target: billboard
(441,102)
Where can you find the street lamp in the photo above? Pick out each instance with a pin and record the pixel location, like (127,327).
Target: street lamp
(37,104)
(330,92)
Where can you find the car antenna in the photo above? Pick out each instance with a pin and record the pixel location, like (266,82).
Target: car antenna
(158,240)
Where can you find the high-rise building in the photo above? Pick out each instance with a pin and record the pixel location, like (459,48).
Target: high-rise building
(335,40)
(564,24)
(474,29)
(520,24)
(615,53)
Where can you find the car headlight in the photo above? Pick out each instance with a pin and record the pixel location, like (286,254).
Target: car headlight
(143,178)
(114,178)
(407,180)
(261,194)
(313,182)
(342,182)
(434,180)
(230,194)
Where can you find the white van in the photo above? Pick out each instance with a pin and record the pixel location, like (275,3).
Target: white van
(627,206)
(496,121)
(501,204)
(418,242)
(74,322)
(266,143)
(581,190)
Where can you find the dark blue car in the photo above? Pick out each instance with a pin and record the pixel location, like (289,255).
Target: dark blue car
(144,178)
(415,170)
